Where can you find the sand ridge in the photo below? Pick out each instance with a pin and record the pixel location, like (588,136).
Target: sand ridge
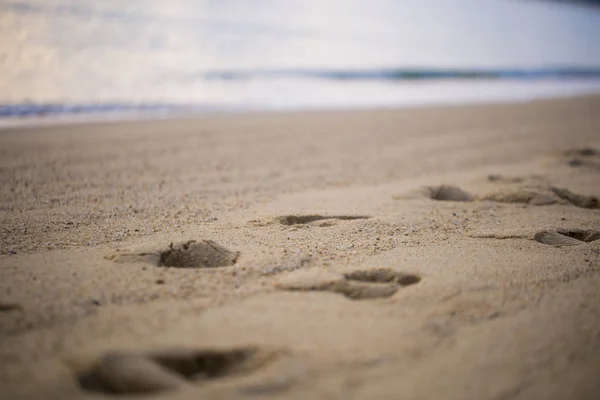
(398,254)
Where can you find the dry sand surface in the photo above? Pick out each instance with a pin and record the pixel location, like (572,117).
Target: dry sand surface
(395,254)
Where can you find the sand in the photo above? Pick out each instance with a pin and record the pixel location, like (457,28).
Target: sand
(427,253)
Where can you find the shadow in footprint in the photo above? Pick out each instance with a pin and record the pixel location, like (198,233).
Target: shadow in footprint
(306,219)
(567,237)
(131,373)
(449,193)
(356,285)
(189,254)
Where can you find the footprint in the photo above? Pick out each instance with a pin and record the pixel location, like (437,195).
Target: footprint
(306,219)
(121,373)
(583,162)
(504,179)
(190,254)
(584,151)
(8,307)
(567,237)
(131,373)
(539,198)
(382,275)
(584,157)
(449,193)
(356,285)
(577,199)
(521,196)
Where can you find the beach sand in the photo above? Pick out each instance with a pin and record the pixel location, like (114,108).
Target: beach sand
(427,253)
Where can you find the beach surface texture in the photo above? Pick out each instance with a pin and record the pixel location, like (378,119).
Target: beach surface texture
(419,253)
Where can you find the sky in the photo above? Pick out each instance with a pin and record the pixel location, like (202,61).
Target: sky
(103,47)
(390,32)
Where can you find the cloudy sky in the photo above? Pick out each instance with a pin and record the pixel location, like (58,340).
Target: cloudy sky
(109,46)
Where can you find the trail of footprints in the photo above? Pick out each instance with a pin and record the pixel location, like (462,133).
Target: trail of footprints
(586,157)
(168,369)
(525,196)
(578,158)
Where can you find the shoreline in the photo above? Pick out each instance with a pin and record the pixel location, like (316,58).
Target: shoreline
(313,254)
(197,111)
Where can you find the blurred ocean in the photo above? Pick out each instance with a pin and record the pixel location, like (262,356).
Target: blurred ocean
(152,56)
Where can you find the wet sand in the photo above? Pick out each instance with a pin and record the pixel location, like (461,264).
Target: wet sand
(441,252)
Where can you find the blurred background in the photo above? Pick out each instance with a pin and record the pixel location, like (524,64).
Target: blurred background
(69,56)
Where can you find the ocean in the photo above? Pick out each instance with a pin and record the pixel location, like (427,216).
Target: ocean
(109,57)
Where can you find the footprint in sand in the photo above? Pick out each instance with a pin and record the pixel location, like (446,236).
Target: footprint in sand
(307,220)
(135,373)
(585,152)
(536,197)
(577,199)
(356,285)
(586,157)
(189,254)
(289,220)
(9,307)
(449,193)
(522,196)
(541,197)
(504,179)
(567,237)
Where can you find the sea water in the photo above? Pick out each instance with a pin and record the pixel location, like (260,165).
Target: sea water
(154,56)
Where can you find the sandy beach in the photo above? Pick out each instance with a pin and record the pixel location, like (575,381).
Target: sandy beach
(419,253)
